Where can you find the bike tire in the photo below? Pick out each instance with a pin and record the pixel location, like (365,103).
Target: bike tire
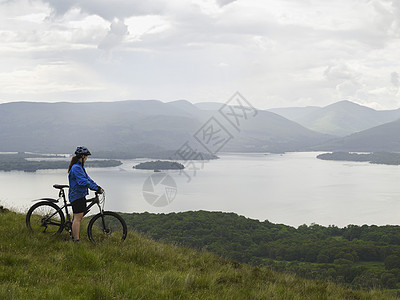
(45,217)
(107,226)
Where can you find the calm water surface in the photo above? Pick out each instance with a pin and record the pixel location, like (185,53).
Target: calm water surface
(293,189)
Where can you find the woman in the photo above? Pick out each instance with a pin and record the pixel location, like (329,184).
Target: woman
(79,183)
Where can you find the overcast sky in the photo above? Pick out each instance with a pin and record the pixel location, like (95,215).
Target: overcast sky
(277,53)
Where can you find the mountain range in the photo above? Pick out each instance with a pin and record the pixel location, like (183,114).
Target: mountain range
(340,119)
(140,126)
(60,127)
(359,128)
(146,127)
(382,138)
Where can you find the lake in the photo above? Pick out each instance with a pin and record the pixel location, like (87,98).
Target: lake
(292,189)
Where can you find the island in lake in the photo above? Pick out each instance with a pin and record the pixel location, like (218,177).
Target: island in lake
(21,162)
(385,158)
(159,165)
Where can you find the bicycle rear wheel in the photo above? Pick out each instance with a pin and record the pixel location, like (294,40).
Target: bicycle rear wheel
(45,217)
(107,226)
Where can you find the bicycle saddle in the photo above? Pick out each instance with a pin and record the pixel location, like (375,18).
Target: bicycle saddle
(60,186)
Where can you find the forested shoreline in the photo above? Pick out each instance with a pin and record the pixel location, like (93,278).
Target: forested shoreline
(21,162)
(358,256)
(385,158)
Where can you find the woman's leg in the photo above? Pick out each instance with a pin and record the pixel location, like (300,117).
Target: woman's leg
(76,225)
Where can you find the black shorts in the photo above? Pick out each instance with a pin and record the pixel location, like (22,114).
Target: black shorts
(79,205)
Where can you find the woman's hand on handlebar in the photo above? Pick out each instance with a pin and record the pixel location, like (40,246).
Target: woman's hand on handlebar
(100,190)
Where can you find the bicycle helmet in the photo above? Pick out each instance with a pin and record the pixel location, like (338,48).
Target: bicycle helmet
(80,151)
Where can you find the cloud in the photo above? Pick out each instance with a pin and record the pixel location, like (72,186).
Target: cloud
(345,79)
(49,79)
(224,2)
(118,30)
(340,72)
(116,13)
(277,52)
(395,79)
(119,9)
(387,17)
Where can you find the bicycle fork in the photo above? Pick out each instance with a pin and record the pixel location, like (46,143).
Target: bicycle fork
(103,222)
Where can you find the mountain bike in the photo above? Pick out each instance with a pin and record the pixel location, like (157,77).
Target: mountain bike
(49,218)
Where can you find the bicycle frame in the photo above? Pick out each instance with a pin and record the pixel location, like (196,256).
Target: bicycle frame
(68,221)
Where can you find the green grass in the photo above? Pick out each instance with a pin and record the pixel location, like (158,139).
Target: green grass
(40,267)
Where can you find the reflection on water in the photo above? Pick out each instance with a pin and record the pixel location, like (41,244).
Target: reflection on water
(293,189)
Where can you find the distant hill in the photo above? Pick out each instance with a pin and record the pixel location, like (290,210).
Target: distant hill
(381,138)
(340,119)
(145,126)
(191,109)
(209,105)
(294,113)
(270,132)
(140,126)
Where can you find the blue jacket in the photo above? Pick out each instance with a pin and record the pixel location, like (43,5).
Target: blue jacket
(79,182)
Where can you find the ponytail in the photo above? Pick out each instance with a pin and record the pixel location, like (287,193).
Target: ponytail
(74,160)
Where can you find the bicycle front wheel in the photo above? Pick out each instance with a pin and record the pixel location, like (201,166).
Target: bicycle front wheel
(107,226)
(45,217)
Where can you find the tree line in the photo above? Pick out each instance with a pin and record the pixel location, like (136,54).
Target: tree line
(19,162)
(386,158)
(358,256)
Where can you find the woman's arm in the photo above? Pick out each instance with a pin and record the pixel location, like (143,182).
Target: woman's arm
(83,179)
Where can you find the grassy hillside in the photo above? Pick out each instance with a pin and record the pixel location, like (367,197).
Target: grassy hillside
(39,267)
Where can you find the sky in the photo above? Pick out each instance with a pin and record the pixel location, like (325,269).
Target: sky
(276,53)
